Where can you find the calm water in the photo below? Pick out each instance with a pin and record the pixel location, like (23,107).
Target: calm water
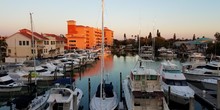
(113,66)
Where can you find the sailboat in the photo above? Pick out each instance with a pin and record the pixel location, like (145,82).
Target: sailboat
(32,101)
(105,97)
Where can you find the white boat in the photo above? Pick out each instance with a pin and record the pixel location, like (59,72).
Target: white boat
(146,52)
(7,84)
(31,102)
(171,76)
(105,97)
(142,90)
(109,101)
(163,52)
(196,55)
(210,84)
(64,98)
(210,70)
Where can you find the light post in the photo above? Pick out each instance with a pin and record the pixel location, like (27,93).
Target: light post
(214,42)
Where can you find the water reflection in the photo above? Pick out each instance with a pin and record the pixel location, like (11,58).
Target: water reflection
(95,69)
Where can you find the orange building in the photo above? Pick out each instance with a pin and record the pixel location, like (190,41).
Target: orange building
(83,37)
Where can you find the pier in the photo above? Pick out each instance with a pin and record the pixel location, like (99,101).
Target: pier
(206,98)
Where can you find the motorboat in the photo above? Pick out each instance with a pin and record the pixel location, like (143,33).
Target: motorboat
(210,84)
(142,89)
(66,97)
(173,80)
(209,70)
(7,84)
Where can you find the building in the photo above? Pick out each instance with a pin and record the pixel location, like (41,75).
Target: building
(83,37)
(20,46)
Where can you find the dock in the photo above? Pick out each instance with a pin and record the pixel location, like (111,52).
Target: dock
(204,97)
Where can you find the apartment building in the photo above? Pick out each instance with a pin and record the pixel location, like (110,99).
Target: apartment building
(82,37)
(20,45)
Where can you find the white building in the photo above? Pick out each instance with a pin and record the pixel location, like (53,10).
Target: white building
(20,46)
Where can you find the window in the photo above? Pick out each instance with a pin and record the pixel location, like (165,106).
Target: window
(45,42)
(143,77)
(72,40)
(23,42)
(137,77)
(20,42)
(27,42)
(151,77)
(9,50)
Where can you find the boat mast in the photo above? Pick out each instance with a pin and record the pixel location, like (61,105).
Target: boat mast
(33,47)
(153,42)
(102,51)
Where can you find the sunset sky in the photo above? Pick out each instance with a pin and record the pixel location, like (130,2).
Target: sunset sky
(183,17)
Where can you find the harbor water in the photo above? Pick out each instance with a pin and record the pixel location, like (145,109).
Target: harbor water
(114,65)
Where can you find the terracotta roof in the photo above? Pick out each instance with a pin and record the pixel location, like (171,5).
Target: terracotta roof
(40,36)
(58,38)
(28,35)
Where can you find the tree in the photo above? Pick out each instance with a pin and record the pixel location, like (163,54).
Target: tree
(217,36)
(158,33)
(125,36)
(194,37)
(174,36)
(3,47)
(150,36)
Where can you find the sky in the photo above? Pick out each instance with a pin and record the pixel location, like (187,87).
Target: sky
(133,17)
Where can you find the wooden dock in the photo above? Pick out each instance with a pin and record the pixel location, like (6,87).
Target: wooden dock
(204,97)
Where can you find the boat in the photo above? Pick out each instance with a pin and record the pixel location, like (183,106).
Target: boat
(197,55)
(142,89)
(163,52)
(105,97)
(173,78)
(64,98)
(209,70)
(146,52)
(7,84)
(41,71)
(210,84)
(31,101)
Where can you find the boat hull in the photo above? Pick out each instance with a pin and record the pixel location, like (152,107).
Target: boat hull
(106,104)
(10,89)
(149,104)
(198,77)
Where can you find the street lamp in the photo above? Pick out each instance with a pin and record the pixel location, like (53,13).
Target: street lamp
(214,42)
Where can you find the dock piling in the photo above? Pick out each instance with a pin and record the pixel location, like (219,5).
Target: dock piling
(191,103)
(89,89)
(168,96)
(218,94)
(120,86)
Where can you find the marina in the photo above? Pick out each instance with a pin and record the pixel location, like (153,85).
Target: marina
(88,78)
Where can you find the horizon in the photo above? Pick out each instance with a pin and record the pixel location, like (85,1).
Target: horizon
(184,18)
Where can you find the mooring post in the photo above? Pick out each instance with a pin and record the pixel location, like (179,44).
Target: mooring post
(120,86)
(64,69)
(72,69)
(191,103)
(75,102)
(168,96)
(89,89)
(218,94)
